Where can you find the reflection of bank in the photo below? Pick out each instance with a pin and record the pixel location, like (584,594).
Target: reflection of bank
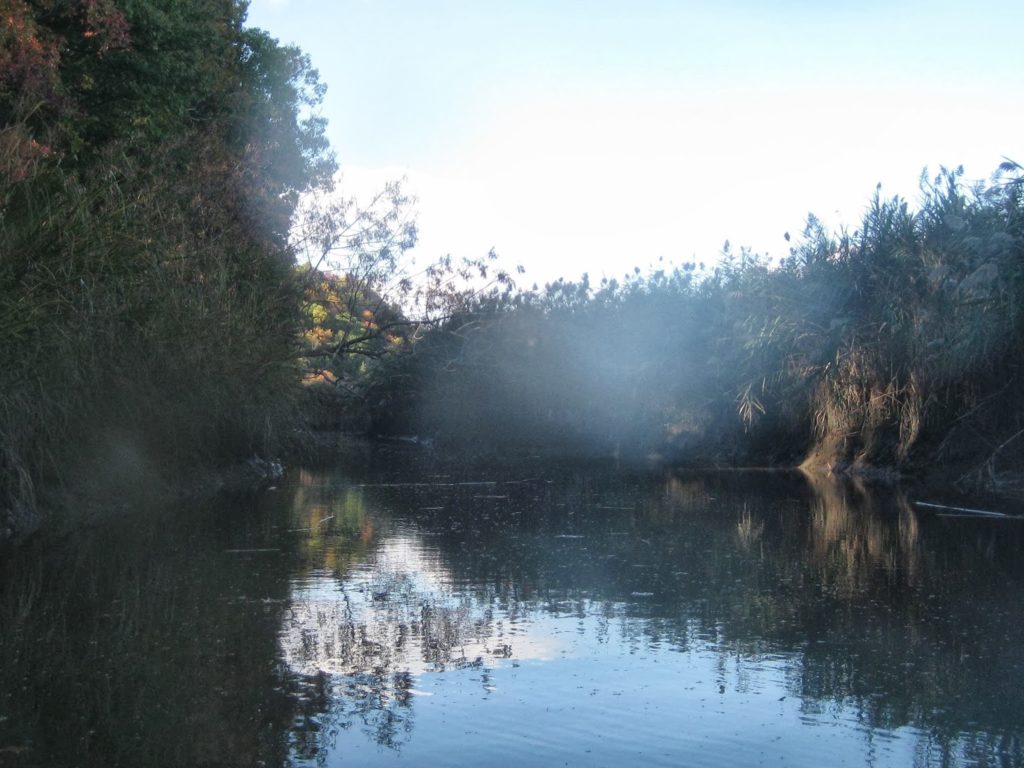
(858,535)
(865,608)
(903,618)
(333,529)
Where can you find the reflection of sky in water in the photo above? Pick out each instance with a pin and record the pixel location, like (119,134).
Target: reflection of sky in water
(602,618)
(580,682)
(401,611)
(581,617)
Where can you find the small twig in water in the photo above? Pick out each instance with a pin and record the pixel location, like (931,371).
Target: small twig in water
(967,510)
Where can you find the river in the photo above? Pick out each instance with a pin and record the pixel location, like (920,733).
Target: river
(394,607)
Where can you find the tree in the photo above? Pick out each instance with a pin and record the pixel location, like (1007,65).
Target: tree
(365,295)
(153,153)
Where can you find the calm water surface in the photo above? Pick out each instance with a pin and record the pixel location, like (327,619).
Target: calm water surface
(405,610)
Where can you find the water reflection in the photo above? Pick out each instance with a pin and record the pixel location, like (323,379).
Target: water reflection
(398,611)
(149,639)
(886,626)
(531,613)
(857,535)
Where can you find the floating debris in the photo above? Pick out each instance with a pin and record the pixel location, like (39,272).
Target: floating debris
(254,600)
(966,511)
(424,485)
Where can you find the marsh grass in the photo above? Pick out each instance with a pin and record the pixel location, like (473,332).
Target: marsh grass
(141,334)
(896,347)
(149,310)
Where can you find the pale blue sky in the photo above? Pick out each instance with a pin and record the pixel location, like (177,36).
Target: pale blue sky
(600,135)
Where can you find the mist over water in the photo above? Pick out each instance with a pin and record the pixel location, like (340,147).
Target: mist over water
(597,373)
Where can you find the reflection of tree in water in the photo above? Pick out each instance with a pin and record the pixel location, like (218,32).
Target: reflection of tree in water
(379,703)
(333,531)
(145,640)
(899,618)
(858,538)
(356,644)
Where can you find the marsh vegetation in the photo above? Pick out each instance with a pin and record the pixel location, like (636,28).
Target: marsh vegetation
(183,291)
(182,287)
(889,349)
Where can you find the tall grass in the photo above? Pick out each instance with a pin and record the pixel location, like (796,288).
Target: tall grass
(150,166)
(897,345)
(142,331)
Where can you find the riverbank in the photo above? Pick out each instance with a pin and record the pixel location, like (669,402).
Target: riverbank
(150,309)
(129,488)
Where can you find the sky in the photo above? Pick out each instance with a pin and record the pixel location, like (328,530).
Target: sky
(595,136)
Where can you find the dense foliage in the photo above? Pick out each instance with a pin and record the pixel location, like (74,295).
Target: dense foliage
(162,170)
(898,346)
(151,157)
(366,301)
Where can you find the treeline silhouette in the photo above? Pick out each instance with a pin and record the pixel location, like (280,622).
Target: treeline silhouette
(895,347)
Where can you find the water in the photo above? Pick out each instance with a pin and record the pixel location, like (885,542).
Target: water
(405,610)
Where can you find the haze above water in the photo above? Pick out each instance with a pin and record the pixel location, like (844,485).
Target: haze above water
(405,609)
